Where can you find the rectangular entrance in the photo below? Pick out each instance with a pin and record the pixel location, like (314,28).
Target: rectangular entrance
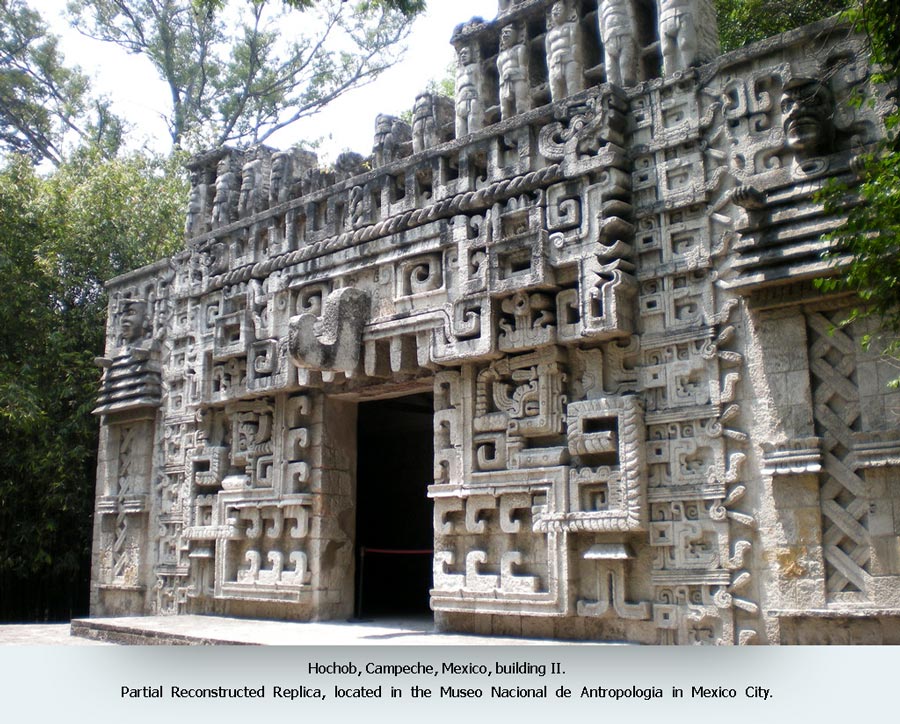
(394,533)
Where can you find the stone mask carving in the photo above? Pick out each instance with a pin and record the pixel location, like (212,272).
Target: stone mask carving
(133,321)
(807,107)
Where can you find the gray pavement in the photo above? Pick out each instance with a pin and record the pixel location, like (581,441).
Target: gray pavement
(187,630)
(42,634)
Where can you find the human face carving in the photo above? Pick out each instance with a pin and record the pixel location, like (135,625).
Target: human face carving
(131,323)
(558,13)
(807,108)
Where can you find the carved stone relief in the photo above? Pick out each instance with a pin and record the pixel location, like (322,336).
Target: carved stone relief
(647,423)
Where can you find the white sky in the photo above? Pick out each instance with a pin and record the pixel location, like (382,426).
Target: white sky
(348,123)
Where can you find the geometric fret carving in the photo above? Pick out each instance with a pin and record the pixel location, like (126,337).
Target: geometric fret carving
(845,537)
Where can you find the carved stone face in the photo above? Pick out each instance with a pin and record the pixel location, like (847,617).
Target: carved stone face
(465,55)
(807,108)
(507,37)
(222,168)
(248,185)
(133,320)
(383,124)
(558,13)
(279,168)
(194,200)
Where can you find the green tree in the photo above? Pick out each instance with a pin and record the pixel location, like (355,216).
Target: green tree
(407,7)
(746,21)
(61,236)
(871,234)
(235,73)
(40,98)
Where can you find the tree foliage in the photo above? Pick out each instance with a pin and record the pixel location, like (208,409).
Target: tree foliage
(746,21)
(40,98)
(61,236)
(407,7)
(238,72)
(871,234)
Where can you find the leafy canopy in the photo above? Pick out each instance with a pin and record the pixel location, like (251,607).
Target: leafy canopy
(61,236)
(407,7)
(41,99)
(237,72)
(746,21)
(871,234)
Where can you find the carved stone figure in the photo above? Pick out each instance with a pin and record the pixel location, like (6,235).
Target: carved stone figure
(252,192)
(687,33)
(202,169)
(280,178)
(390,136)
(225,203)
(469,111)
(131,377)
(512,67)
(349,164)
(505,6)
(289,170)
(564,53)
(432,121)
(619,35)
(332,341)
(194,216)
(807,111)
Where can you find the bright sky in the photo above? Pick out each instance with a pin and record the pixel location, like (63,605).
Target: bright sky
(348,123)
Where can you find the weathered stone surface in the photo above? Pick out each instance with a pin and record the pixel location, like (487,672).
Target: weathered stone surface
(648,424)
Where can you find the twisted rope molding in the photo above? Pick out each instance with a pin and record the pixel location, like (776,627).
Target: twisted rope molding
(469,201)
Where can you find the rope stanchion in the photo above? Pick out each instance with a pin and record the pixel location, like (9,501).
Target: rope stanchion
(363,550)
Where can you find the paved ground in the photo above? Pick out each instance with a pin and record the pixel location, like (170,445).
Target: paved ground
(40,634)
(220,630)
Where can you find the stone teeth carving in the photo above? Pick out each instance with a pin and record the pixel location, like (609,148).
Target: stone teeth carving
(334,340)
(611,584)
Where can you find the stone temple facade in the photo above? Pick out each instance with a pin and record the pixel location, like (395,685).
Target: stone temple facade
(550,362)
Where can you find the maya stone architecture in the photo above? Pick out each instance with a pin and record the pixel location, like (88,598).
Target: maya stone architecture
(549,362)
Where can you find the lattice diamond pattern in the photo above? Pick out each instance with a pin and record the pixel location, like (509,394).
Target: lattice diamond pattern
(845,537)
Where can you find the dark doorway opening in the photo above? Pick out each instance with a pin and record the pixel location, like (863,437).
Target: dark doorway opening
(394,534)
